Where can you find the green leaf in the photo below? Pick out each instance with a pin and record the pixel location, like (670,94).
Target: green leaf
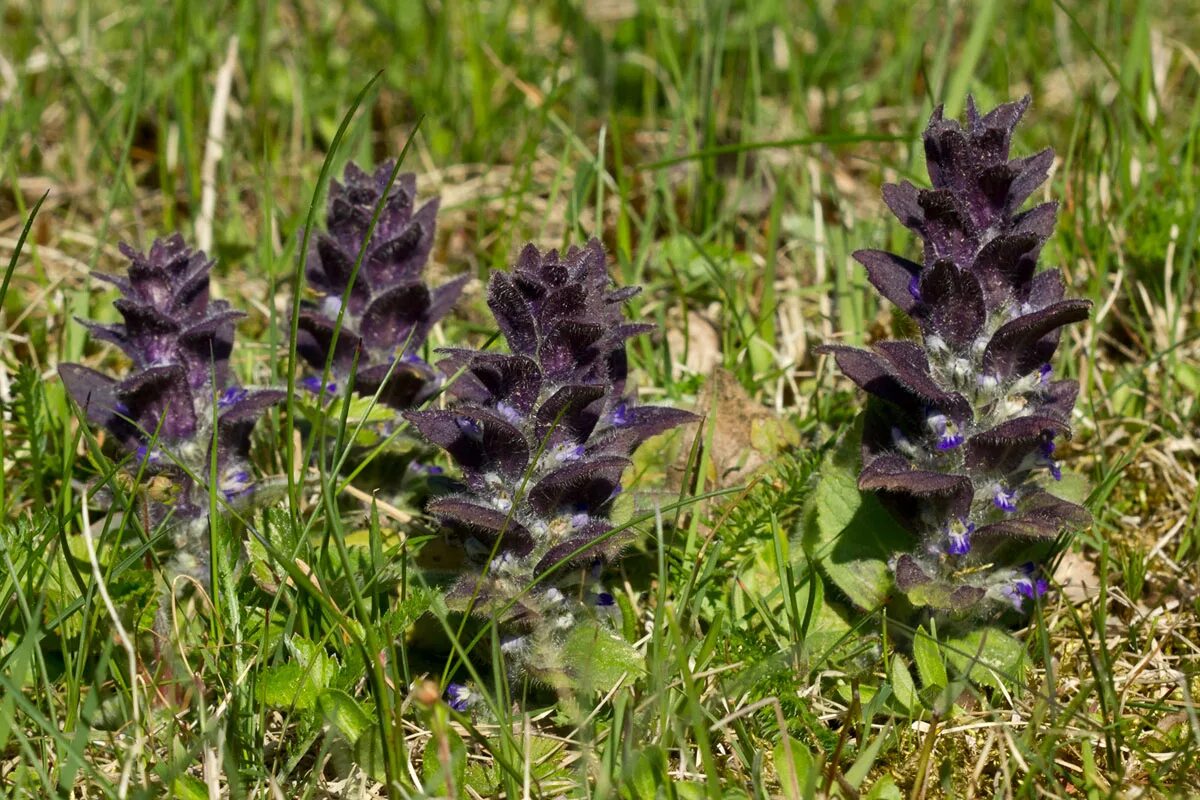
(884,789)
(445,757)
(853,536)
(866,760)
(826,629)
(285,686)
(903,687)
(187,787)
(994,657)
(648,771)
(690,790)
(929,661)
(343,713)
(481,778)
(368,755)
(1074,486)
(297,683)
(796,776)
(598,658)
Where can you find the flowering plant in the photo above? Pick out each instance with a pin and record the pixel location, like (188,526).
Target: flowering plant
(180,409)
(541,436)
(960,431)
(369,278)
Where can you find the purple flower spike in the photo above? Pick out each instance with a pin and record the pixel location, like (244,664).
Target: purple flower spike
(390,310)
(959,423)
(179,341)
(542,435)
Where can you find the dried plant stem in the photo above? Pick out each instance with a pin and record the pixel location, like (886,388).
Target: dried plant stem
(214,147)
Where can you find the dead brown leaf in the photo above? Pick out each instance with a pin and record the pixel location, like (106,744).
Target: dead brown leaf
(1076,575)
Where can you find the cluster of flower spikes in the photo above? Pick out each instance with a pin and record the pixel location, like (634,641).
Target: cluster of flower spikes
(960,430)
(542,436)
(389,310)
(164,412)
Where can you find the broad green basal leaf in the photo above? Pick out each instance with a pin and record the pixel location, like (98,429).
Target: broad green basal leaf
(599,659)
(993,656)
(849,533)
(903,687)
(297,683)
(929,661)
(797,778)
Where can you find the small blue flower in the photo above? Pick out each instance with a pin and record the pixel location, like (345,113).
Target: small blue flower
(620,414)
(1004,500)
(1032,588)
(1026,587)
(145,456)
(949,436)
(331,306)
(604,600)
(949,441)
(231,396)
(1047,459)
(313,384)
(914,287)
(469,427)
(236,483)
(1044,372)
(567,452)
(960,538)
(508,412)
(459,697)
(425,469)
